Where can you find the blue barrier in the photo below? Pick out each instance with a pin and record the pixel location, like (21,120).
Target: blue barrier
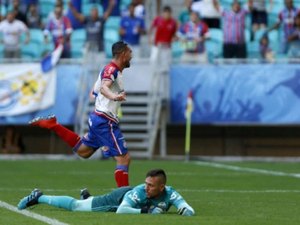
(237,94)
(67,91)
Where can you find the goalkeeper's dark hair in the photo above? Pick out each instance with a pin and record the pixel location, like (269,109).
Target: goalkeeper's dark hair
(118,47)
(158,173)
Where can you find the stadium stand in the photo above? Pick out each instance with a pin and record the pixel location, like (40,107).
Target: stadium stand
(214,45)
(31,50)
(86,8)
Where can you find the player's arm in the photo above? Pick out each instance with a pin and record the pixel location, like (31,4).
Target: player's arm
(126,208)
(106,91)
(129,205)
(109,9)
(80,17)
(183,208)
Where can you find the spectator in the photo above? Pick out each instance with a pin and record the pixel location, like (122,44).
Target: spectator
(51,14)
(184,15)
(25,3)
(165,30)
(209,10)
(19,15)
(12,29)
(94,25)
(60,29)
(193,34)
(75,23)
(139,10)
(130,30)
(265,50)
(234,45)
(33,17)
(12,142)
(259,16)
(294,39)
(286,18)
(115,4)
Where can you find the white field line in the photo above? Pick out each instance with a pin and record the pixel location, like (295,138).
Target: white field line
(247,169)
(31,214)
(238,191)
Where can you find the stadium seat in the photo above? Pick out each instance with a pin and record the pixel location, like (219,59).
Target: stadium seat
(214,45)
(107,48)
(277,6)
(46,6)
(3,10)
(113,22)
(253,49)
(1,51)
(177,49)
(214,49)
(216,34)
(110,37)
(124,4)
(274,40)
(248,22)
(226,4)
(247,35)
(111,34)
(259,34)
(272,18)
(78,35)
(77,49)
(86,8)
(31,51)
(36,36)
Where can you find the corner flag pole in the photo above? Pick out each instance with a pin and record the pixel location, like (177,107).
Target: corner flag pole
(188,116)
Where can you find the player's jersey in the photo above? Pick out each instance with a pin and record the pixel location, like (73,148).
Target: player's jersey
(137,198)
(111,201)
(104,106)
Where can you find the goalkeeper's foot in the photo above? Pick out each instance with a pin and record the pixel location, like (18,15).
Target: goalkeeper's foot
(44,122)
(30,200)
(84,194)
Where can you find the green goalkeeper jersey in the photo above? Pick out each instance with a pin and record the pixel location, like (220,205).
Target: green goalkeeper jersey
(111,201)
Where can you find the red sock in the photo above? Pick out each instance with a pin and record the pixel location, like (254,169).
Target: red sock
(66,135)
(125,180)
(121,178)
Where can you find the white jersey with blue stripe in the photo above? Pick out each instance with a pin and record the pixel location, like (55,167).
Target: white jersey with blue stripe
(103,105)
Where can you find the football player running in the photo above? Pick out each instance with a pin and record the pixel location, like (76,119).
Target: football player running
(104,131)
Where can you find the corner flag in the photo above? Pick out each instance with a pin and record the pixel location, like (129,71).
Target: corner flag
(188,116)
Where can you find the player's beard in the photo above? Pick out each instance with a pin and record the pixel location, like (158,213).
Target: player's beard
(127,64)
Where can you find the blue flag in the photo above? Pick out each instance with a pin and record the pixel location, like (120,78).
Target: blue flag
(49,61)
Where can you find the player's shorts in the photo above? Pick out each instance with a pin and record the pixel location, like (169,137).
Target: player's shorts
(106,135)
(109,202)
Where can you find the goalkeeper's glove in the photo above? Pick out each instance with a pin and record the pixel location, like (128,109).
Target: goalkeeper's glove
(156,210)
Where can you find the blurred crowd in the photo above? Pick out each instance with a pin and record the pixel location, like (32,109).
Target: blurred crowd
(202,31)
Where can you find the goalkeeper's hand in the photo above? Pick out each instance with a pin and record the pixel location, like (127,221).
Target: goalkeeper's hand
(156,210)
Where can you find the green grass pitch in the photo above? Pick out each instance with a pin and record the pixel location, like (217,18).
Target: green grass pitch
(218,195)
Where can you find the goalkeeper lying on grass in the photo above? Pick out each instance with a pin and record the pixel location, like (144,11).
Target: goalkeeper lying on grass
(152,197)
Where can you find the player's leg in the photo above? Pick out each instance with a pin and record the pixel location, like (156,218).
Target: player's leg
(68,136)
(121,171)
(114,145)
(65,202)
